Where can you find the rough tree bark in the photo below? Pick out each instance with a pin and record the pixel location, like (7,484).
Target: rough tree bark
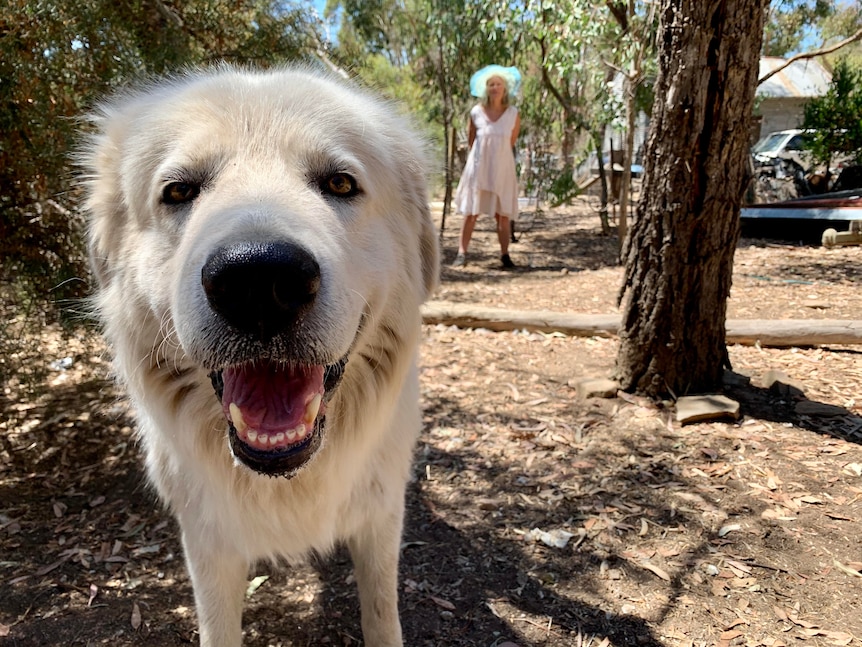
(679,249)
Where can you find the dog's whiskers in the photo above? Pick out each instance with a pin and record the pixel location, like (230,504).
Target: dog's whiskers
(165,341)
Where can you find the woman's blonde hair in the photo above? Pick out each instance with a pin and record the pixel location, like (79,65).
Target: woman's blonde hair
(484,96)
(510,76)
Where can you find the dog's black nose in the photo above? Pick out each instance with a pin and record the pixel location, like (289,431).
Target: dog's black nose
(261,288)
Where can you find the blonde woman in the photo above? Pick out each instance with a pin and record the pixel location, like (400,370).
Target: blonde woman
(489,183)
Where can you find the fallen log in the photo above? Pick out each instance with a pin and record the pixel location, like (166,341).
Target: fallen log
(499,319)
(782,333)
(766,332)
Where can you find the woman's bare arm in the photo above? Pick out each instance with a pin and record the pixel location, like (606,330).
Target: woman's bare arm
(516,129)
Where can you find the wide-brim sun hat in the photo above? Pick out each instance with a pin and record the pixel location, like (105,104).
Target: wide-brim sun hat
(510,75)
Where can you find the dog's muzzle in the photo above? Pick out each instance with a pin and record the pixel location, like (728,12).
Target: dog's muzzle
(275,406)
(261,288)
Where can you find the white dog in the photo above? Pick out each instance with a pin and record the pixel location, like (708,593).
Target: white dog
(262,244)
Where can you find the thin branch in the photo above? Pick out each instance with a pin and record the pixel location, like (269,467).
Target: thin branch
(565,103)
(319,48)
(618,10)
(819,52)
(546,78)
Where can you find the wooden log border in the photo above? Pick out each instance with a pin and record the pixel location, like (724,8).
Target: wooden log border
(779,333)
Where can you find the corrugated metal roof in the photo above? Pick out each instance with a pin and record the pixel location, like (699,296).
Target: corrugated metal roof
(802,79)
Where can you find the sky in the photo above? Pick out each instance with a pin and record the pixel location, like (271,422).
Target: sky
(320,5)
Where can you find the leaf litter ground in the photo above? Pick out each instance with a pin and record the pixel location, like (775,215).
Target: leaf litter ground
(534,518)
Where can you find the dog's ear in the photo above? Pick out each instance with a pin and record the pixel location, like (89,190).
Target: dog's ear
(429,249)
(99,159)
(99,258)
(413,176)
(104,204)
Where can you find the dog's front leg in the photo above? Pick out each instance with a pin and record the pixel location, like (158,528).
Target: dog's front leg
(374,549)
(218,576)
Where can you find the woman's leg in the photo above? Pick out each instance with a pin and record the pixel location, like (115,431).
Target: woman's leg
(504,232)
(466,233)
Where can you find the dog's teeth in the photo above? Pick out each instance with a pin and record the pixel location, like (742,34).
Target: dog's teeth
(311,409)
(264,440)
(237,419)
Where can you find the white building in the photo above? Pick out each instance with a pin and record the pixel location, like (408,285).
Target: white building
(781,99)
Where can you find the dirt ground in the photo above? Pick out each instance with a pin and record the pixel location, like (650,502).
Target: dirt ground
(534,518)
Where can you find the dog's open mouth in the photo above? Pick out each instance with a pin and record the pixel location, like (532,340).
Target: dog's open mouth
(275,411)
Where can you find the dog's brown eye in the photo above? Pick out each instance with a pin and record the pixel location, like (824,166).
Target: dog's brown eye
(340,185)
(180,192)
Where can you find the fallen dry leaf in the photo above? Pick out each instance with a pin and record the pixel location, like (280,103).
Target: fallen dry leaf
(444,604)
(729,528)
(656,570)
(846,569)
(730,635)
(802,623)
(136,616)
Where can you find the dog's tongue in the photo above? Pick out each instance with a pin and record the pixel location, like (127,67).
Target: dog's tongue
(271,397)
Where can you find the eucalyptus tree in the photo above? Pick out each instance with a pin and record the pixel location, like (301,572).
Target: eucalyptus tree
(637,23)
(563,34)
(594,58)
(427,47)
(453,39)
(679,251)
(371,28)
(836,117)
(790,23)
(845,23)
(570,102)
(831,29)
(794,26)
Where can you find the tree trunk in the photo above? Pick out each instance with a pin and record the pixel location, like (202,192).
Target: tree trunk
(679,251)
(451,136)
(628,149)
(603,183)
(442,74)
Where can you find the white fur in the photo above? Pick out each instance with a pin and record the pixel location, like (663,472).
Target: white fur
(258,136)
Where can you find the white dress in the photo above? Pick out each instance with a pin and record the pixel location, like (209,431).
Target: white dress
(489,183)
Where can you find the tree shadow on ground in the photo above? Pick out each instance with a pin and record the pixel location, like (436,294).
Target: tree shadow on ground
(87,547)
(785,405)
(468,576)
(91,558)
(833,272)
(485,575)
(833,269)
(482,566)
(549,245)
